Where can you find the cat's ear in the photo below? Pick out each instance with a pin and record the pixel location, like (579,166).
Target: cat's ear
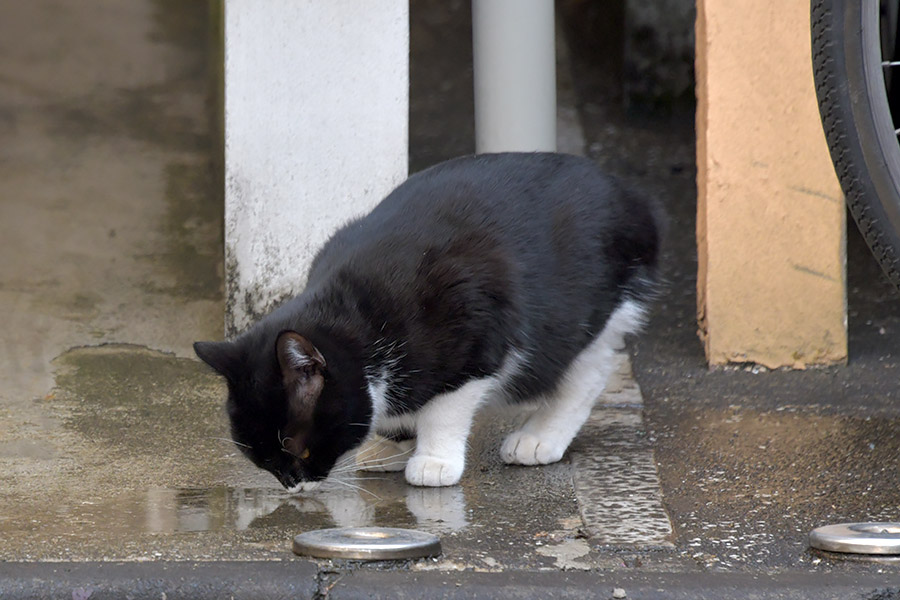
(221,356)
(302,367)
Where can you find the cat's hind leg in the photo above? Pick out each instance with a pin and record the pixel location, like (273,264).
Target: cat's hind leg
(547,433)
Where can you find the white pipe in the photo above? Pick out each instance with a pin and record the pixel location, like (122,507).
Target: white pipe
(515,75)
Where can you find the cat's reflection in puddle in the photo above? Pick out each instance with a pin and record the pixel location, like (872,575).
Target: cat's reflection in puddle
(440,510)
(354,504)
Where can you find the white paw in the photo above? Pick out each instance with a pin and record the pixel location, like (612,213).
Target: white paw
(522,448)
(382,454)
(432,471)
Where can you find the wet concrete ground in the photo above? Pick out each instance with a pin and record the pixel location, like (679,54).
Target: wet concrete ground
(113,442)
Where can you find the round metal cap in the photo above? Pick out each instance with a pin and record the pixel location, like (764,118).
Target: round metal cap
(367,543)
(857,538)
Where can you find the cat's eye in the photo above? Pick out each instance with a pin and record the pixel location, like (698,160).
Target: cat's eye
(305,454)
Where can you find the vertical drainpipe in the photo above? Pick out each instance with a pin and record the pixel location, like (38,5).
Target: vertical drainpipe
(515,75)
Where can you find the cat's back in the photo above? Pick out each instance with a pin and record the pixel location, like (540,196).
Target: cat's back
(525,202)
(495,188)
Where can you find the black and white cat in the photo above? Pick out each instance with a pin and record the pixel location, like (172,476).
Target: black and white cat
(496,278)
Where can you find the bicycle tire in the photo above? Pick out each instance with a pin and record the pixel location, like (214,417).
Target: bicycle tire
(853,103)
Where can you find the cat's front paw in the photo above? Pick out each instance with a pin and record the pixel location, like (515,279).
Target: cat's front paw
(383,454)
(432,471)
(522,448)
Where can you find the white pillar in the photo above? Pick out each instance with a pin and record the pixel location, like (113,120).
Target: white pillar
(515,75)
(316,132)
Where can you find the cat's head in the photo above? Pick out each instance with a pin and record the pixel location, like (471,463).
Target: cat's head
(289,411)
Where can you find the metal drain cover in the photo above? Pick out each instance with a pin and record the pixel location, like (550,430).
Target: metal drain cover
(857,538)
(367,543)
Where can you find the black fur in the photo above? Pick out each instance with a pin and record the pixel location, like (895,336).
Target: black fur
(460,264)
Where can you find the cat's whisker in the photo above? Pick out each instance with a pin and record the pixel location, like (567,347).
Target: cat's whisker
(389,457)
(384,460)
(355,487)
(345,461)
(353,469)
(351,463)
(342,468)
(283,440)
(387,461)
(347,468)
(236,443)
(376,459)
(347,471)
(383,467)
(336,472)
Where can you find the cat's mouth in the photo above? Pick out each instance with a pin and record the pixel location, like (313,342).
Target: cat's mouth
(303,486)
(294,481)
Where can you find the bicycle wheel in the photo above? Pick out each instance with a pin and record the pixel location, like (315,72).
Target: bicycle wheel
(857,75)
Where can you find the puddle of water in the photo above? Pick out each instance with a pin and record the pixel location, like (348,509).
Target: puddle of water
(137,466)
(138,456)
(174,510)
